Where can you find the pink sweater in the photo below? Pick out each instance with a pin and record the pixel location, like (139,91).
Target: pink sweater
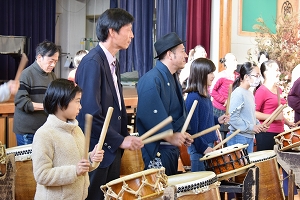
(220,93)
(266,102)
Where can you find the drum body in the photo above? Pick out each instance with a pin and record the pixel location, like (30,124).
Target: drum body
(25,184)
(232,159)
(269,181)
(288,139)
(131,161)
(195,185)
(185,157)
(142,185)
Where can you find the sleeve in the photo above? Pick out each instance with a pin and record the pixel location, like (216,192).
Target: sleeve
(236,120)
(197,123)
(216,94)
(259,99)
(4,92)
(22,98)
(294,96)
(43,170)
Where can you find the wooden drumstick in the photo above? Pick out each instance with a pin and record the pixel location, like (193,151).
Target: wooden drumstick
(188,118)
(158,136)
(228,99)
(205,131)
(87,133)
(273,113)
(103,131)
(22,65)
(157,127)
(276,114)
(226,139)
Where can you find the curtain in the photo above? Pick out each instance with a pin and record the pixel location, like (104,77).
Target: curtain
(171,17)
(198,24)
(139,55)
(34,19)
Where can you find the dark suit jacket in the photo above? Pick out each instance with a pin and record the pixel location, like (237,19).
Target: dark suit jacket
(94,77)
(157,100)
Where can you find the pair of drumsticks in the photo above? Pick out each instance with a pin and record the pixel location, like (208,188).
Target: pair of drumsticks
(145,138)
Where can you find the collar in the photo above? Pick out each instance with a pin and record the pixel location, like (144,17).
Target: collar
(109,56)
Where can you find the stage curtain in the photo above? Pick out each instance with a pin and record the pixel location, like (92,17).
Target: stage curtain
(198,24)
(32,18)
(139,55)
(171,17)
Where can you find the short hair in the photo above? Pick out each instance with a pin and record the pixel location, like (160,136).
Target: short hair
(197,80)
(47,48)
(59,94)
(78,57)
(114,18)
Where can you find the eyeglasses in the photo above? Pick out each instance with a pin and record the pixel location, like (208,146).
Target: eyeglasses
(256,76)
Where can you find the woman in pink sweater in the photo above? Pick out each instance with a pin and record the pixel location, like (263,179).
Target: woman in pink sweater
(220,87)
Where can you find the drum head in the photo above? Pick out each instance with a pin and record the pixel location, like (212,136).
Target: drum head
(223,151)
(261,156)
(191,177)
(235,172)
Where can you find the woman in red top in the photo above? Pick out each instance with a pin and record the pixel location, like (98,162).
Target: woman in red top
(266,101)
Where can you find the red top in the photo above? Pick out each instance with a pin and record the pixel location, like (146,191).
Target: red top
(266,102)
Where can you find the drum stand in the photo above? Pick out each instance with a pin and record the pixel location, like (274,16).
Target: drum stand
(248,189)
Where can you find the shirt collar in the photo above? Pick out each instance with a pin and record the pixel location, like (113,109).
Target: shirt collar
(109,56)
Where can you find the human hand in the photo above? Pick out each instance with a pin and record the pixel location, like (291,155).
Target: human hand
(132,143)
(82,167)
(96,156)
(177,139)
(13,86)
(188,140)
(208,150)
(291,124)
(258,128)
(224,119)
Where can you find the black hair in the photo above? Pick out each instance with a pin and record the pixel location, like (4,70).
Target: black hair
(263,53)
(59,94)
(245,69)
(47,48)
(264,65)
(222,60)
(115,19)
(197,80)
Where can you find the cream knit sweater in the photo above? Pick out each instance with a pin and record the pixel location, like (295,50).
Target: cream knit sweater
(56,149)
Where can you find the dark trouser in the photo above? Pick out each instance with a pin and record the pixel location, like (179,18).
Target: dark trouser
(265,141)
(169,159)
(101,176)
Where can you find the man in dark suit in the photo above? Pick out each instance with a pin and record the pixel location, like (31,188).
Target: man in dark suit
(160,96)
(99,77)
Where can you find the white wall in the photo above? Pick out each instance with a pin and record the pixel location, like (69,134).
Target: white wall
(71,29)
(215,32)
